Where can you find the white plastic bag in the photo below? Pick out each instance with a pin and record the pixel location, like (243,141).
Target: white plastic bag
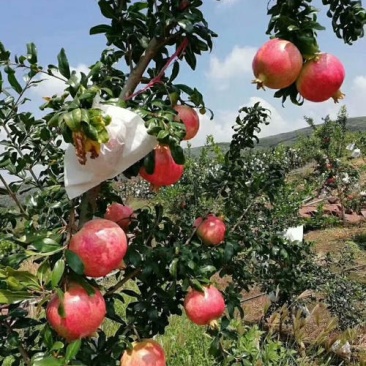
(356,153)
(128,143)
(295,233)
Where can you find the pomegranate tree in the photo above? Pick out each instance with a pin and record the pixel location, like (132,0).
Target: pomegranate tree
(321,78)
(120,214)
(145,353)
(277,64)
(210,230)
(101,245)
(166,170)
(204,308)
(78,315)
(190,119)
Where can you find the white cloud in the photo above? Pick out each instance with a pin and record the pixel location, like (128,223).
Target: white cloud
(238,62)
(227,3)
(219,127)
(355,97)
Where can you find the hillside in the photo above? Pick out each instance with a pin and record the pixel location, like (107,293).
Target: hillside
(288,138)
(354,124)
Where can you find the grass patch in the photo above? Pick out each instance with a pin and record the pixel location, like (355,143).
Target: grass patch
(186,344)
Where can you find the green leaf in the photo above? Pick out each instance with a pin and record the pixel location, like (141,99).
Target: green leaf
(45,245)
(57,346)
(20,279)
(178,154)
(90,131)
(197,285)
(10,297)
(57,273)
(13,80)
(101,28)
(48,361)
(63,64)
(61,307)
(149,162)
(74,262)
(32,53)
(186,89)
(162,135)
(173,268)
(106,9)
(72,350)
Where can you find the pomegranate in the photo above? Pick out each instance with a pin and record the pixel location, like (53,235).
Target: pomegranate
(145,353)
(277,64)
(184,4)
(83,313)
(120,214)
(166,171)
(321,78)
(204,308)
(210,230)
(190,119)
(101,245)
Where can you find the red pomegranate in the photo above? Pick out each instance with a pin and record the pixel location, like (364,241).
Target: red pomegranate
(277,64)
(145,353)
(101,245)
(321,78)
(204,308)
(120,214)
(83,313)
(210,230)
(184,4)
(166,171)
(190,119)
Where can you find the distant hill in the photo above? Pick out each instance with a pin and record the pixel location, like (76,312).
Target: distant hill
(354,124)
(288,138)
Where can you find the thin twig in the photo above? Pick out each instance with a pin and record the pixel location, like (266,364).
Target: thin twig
(8,133)
(355,268)
(253,297)
(120,283)
(13,196)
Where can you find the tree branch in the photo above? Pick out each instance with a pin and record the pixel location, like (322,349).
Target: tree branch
(136,74)
(13,196)
(119,284)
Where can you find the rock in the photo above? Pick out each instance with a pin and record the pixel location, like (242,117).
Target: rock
(333,199)
(353,218)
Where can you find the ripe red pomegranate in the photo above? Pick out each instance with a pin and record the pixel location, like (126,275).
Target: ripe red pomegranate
(83,313)
(277,64)
(204,308)
(321,78)
(101,245)
(210,230)
(190,119)
(145,353)
(120,214)
(166,171)
(184,4)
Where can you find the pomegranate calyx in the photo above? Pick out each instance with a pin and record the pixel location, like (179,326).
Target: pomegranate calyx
(337,96)
(122,265)
(260,84)
(213,324)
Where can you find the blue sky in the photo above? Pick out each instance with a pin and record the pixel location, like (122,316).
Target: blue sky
(223,76)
